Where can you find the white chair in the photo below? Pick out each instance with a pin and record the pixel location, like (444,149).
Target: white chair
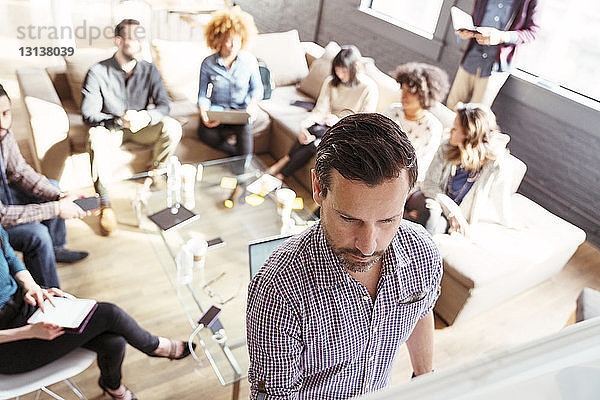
(62,369)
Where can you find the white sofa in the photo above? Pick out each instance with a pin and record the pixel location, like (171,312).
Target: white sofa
(494,265)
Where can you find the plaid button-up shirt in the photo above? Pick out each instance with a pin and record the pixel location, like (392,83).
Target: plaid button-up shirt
(315,333)
(19,174)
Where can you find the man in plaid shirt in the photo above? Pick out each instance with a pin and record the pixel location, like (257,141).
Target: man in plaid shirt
(32,209)
(330,308)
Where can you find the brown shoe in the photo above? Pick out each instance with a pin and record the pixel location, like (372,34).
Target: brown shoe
(108,221)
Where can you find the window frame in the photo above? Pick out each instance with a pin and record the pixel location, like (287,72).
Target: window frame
(391,29)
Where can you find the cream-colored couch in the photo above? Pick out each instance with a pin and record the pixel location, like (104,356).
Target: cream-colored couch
(494,265)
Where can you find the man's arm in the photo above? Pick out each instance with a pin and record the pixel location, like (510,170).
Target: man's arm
(91,104)
(160,97)
(420,345)
(274,343)
(22,175)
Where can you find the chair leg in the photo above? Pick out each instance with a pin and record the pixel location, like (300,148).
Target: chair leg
(54,395)
(76,389)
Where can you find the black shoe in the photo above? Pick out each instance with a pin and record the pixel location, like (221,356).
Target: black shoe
(68,256)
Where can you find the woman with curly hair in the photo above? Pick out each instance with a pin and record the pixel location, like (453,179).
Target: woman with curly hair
(422,85)
(346,91)
(229,79)
(468,179)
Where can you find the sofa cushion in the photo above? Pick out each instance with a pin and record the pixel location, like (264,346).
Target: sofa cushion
(181,79)
(542,241)
(283,54)
(78,66)
(389,89)
(319,70)
(280,102)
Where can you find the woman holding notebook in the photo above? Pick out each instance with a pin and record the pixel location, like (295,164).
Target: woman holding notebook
(25,347)
(346,91)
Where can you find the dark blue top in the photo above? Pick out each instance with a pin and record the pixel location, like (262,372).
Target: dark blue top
(459,186)
(10,264)
(497,15)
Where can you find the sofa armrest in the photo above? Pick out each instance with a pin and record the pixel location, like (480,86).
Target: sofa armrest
(312,51)
(47,118)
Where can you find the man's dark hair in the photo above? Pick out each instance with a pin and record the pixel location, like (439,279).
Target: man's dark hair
(121,26)
(348,57)
(365,147)
(427,81)
(3,92)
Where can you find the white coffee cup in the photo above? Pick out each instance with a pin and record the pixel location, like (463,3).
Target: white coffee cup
(285,201)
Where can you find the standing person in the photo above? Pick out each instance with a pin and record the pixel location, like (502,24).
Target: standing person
(503,26)
(422,86)
(346,91)
(32,208)
(117,95)
(229,79)
(330,308)
(25,347)
(468,179)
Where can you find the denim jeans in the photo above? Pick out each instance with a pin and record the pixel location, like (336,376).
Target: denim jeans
(37,241)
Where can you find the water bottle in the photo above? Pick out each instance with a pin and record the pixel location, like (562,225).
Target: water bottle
(185,263)
(173,184)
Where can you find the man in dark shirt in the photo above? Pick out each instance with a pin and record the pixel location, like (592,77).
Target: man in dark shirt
(32,208)
(124,99)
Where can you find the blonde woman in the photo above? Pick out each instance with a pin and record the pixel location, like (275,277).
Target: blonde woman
(468,179)
(229,79)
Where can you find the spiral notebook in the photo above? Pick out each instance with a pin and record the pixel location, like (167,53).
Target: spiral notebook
(71,314)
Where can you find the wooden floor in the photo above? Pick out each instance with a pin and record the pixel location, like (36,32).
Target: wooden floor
(123,269)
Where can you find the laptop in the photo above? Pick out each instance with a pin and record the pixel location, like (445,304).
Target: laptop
(229,117)
(259,250)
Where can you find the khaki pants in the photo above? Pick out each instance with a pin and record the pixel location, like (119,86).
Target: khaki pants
(101,142)
(471,88)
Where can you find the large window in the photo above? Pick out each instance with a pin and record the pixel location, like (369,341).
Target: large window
(567,50)
(418,16)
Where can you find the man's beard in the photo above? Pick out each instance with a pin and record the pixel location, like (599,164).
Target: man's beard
(348,264)
(128,56)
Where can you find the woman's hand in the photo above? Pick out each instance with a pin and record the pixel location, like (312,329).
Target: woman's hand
(45,331)
(205,121)
(456,226)
(304,136)
(465,34)
(35,295)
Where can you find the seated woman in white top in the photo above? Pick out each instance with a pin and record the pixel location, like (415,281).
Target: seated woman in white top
(423,85)
(468,179)
(346,91)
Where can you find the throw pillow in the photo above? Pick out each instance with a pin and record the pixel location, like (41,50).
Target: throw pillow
(181,79)
(78,66)
(389,89)
(319,70)
(283,54)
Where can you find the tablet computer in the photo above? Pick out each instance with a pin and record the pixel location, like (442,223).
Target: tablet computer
(461,20)
(170,218)
(229,117)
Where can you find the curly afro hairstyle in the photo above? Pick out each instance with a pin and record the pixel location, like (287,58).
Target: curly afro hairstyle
(229,21)
(429,82)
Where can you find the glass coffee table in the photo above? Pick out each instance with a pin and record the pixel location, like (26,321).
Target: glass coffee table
(226,274)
